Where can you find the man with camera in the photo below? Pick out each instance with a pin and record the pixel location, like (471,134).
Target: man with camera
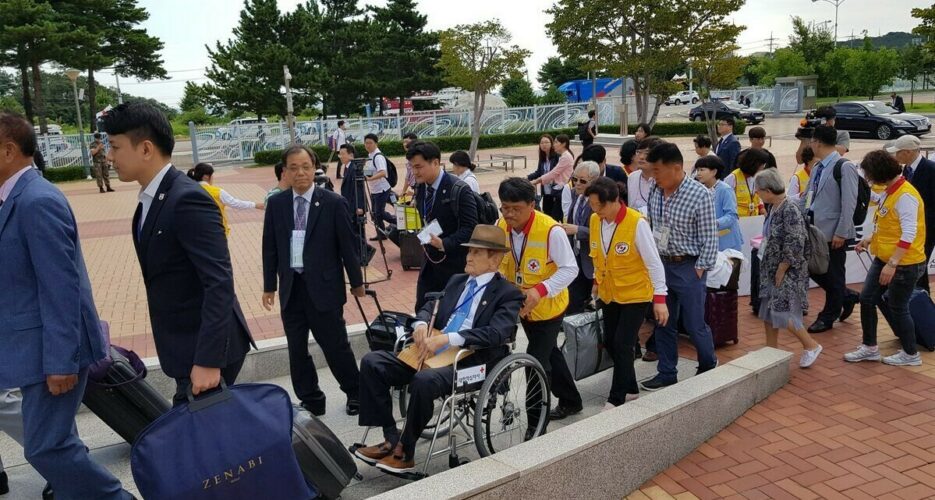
(824,115)
(353,190)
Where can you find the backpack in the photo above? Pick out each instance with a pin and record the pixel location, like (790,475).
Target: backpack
(863,194)
(583,131)
(820,256)
(391,176)
(487,212)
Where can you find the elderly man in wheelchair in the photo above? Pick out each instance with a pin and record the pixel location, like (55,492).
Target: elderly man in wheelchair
(473,322)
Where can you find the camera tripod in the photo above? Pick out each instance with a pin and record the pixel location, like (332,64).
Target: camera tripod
(362,190)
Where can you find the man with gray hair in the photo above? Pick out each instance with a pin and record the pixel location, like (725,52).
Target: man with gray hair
(920,172)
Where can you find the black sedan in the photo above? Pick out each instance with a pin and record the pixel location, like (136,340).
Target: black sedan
(723,109)
(878,120)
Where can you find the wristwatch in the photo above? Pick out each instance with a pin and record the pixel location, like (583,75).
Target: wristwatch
(891,263)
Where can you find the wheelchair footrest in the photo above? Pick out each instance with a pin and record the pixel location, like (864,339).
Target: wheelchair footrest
(408,476)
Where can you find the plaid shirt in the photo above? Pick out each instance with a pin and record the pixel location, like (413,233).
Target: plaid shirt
(689,215)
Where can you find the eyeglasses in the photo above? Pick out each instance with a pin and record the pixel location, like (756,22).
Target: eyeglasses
(511,210)
(580,180)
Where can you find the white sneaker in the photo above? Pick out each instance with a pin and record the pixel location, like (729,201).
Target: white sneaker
(863,353)
(809,357)
(903,359)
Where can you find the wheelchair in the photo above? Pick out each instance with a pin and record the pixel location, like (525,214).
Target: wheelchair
(493,414)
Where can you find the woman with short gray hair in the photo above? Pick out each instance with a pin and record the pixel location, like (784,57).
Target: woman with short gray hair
(784,266)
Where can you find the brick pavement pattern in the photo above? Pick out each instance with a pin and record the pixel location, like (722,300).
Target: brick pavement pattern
(837,430)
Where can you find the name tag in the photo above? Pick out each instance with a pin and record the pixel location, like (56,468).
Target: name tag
(661,235)
(297,245)
(471,375)
(808,199)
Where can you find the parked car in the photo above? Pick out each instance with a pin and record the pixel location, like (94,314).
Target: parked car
(723,108)
(879,120)
(683,97)
(241,127)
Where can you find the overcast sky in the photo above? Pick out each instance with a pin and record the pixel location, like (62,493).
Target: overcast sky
(186,26)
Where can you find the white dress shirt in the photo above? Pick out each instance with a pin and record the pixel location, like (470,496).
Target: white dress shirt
(638,190)
(560,252)
(455,338)
(148,193)
(7,187)
(340,138)
(471,180)
(378,160)
(646,246)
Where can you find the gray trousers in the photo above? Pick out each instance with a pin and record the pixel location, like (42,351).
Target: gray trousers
(11,415)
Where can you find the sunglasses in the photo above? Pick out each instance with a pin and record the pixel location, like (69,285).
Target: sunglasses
(579,180)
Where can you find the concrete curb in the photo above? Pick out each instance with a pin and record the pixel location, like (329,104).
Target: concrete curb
(624,447)
(269,362)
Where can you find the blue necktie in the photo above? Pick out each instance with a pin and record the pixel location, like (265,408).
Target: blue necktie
(580,211)
(461,314)
(907,173)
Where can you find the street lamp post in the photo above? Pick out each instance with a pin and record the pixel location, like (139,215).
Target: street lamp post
(72,75)
(836,3)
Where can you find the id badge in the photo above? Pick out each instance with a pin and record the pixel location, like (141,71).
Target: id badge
(519,278)
(808,200)
(661,235)
(297,245)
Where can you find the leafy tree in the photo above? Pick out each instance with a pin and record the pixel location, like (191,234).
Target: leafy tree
(926,29)
(718,69)
(913,61)
(784,62)
(9,103)
(518,92)
(405,54)
(833,77)
(195,96)
(246,73)
(810,40)
(869,70)
(557,70)
(36,34)
(649,41)
(553,96)
(478,57)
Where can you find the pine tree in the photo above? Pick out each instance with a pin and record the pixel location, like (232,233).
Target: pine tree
(246,73)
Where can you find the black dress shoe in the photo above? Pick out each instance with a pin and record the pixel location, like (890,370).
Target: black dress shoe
(819,326)
(656,383)
(4,483)
(849,302)
(560,412)
(353,406)
(317,408)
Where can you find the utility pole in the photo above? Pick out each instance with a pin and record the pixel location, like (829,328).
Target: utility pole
(119,95)
(771,39)
(290,119)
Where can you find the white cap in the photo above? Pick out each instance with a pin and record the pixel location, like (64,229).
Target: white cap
(905,143)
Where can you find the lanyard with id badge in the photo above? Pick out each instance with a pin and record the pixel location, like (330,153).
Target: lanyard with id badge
(661,232)
(296,246)
(518,260)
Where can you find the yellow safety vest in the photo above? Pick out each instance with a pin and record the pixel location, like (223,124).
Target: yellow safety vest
(534,265)
(215,193)
(748,204)
(887,230)
(619,270)
(802,178)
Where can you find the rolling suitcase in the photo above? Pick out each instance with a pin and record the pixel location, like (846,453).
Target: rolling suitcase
(411,254)
(720,314)
(387,327)
(118,394)
(325,461)
(922,310)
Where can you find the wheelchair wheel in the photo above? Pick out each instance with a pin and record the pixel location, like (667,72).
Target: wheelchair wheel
(402,397)
(513,404)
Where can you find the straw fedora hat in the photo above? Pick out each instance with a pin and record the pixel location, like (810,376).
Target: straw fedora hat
(489,237)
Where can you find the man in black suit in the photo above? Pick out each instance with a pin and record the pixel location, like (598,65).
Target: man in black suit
(598,154)
(354,191)
(479,311)
(444,254)
(898,102)
(308,244)
(198,327)
(728,147)
(920,172)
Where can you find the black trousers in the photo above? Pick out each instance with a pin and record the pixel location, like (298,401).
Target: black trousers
(298,317)
(834,283)
(579,292)
(380,371)
(621,326)
(432,278)
(228,373)
(543,337)
(923,282)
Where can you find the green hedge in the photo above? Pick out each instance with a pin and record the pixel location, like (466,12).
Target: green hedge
(493,141)
(64,174)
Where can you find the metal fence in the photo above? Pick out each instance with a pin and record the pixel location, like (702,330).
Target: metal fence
(62,150)
(765,98)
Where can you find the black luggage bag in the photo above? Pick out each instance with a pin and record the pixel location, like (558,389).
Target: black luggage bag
(387,327)
(324,460)
(411,254)
(124,400)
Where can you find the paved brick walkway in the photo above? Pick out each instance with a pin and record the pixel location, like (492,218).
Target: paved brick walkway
(836,431)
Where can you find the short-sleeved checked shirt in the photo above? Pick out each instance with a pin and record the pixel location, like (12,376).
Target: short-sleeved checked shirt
(689,215)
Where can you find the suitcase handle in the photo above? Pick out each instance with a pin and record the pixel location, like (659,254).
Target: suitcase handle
(201,403)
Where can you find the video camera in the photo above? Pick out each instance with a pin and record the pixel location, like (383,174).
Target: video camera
(323,181)
(814,118)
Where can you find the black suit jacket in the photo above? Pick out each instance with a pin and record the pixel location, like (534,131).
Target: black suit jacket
(553,160)
(615,173)
(727,149)
(353,191)
(455,230)
(331,248)
(899,104)
(923,179)
(186,266)
(495,320)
